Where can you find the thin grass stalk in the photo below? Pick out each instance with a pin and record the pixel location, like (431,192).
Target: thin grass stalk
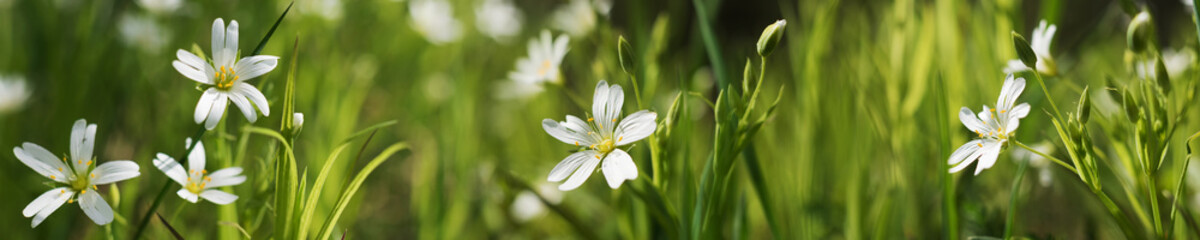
(1012,199)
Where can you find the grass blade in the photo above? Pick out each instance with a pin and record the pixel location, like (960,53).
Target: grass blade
(352,188)
(263,43)
(168,225)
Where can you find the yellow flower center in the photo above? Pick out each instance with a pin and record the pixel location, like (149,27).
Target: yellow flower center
(196,184)
(545,67)
(605,146)
(225,78)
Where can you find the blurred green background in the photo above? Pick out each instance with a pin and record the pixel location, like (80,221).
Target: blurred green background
(856,150)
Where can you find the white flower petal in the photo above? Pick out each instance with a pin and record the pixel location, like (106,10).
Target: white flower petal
(218,41)
(255,97)
(600,102)
(567,132)
(244,105)
(637,126)
(42,201)
(254,66)
(226,177)
(967,161)
(197,158)
(585,170)
(560,48)
(569,165)
(965,150)
(1009,93)
(205,104)
(218,197)
(1018,112)
(231,40)
(193,67)
(972,122)
(171,168)
(95,207)
(1015,66)
(217,112)
(78,133)
(618,166)
(41,161)
(608,108)
(989,153)
(52,205)
(188,195)
(115,171)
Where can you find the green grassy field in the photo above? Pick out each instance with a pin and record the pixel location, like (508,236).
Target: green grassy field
(448,119)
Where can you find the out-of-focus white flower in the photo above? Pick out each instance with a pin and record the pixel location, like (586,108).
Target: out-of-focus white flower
(330,10)
(1043,35)
(1045,176)
(13,93)
(601,135)
(1176,62)
(604,7)
(498,19)
(142,32)
(541,66)
(526,206)
(994,127)
(227,75)
(434,19)
(160,7)
(75,176)
(197,182)
(576,18)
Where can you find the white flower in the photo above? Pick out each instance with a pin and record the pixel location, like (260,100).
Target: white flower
(1043,35)
(227,75)
(601,134)
(576,18)
(527,206)
(435,20)
(160,7)
(142,32)
(330,10)
(604,7)
(76,176)
(13,93)
(1045,176)
(994,127)
(498,19)
(541,66)
(197,182)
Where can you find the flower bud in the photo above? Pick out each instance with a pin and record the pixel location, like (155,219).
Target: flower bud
(1164,81)
(1085,107)
(1024,51)
(297,123)
(625,55)
(1131,108)
(1140,35)
(770,37)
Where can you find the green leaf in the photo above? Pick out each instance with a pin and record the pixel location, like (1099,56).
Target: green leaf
(351,189)
(263,43)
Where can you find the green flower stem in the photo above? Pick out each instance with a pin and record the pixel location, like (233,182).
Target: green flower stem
(1056,160)
(1012,200)
(183,157)
(1118,216)
(1038,76)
